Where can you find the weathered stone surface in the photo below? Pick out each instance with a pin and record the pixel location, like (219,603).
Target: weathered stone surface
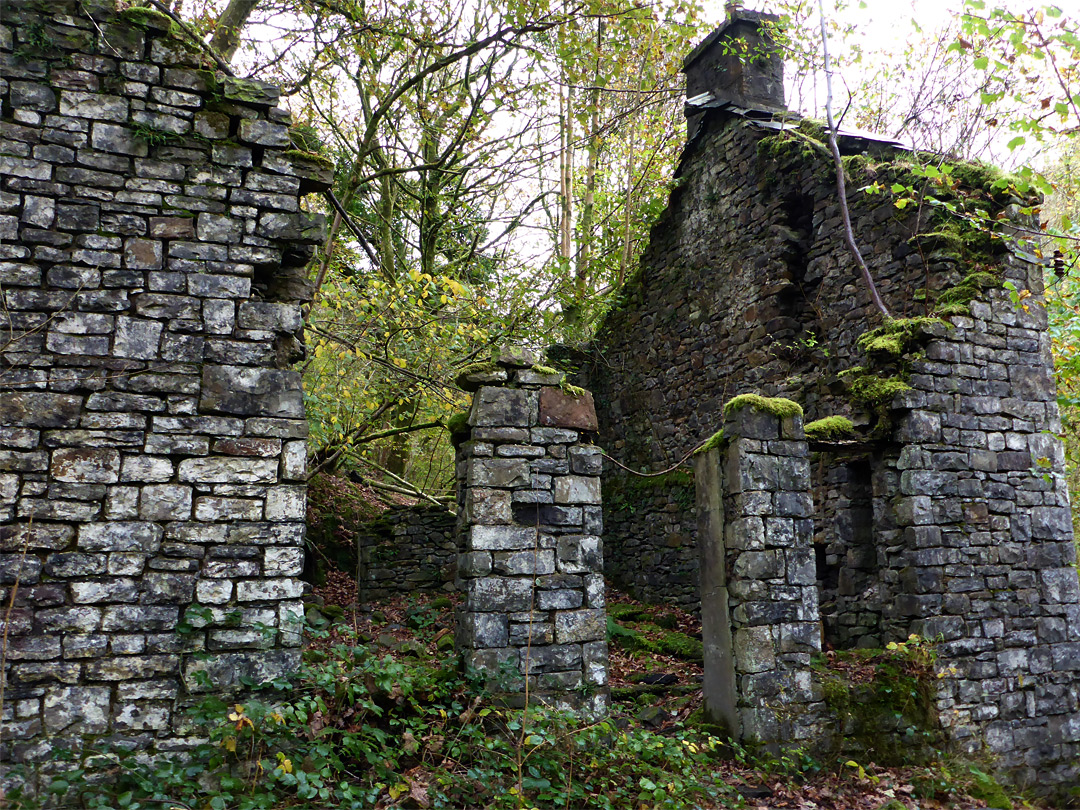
(251,391)
(565,410)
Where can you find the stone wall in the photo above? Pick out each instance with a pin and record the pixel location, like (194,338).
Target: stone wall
(529,515)
(407,549)
(945,512)
(653,520)
(152,453)
(760,619)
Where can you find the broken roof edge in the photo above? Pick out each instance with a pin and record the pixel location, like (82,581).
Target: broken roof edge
(734,16)
(780,118)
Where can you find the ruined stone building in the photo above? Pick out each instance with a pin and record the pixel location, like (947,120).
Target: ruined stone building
(152,456)
(943,512)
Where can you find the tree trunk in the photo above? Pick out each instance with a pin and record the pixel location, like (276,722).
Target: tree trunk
(588,206)
(226,37)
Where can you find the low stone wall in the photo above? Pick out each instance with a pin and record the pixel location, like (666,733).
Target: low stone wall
(407,549)
(650,523)
(152,453)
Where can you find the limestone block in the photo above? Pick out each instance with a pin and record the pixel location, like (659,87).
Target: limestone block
(577,489)
(40,409)
(269,589)
(286,503)
(488,506)
(283,562)
(563,410)
(498,472)
(503,407)
(754,649)
(501,538)
(517,563)
(165,502)
(251,391)
(294,461)
(498,594)
(580,625)
(86,465)
(228,470)
(483,630)
(120,536)
(77,709)
(553,658)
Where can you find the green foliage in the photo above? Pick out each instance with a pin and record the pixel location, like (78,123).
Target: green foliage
(830,427)
(352,730)
(777,406)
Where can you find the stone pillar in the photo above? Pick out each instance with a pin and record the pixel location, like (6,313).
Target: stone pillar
(530,567)
(762,472)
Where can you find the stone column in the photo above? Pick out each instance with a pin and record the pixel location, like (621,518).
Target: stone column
(762,470)
(530,567)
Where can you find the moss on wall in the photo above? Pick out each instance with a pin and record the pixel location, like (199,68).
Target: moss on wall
(777,406)
(830,427)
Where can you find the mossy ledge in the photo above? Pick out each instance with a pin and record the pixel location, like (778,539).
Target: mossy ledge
(897,336)
(310,157)
(712,442)
(830,427)
(146,17)
(777,406)
(457,422)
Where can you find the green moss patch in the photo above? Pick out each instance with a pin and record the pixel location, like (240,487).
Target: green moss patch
(874,390)
(712,442)
(883,701)
(777,406)
(897,336)
(145,17)
(830,427)
(310,157)
(458,422)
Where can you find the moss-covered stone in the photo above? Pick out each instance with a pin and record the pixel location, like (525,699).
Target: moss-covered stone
(712,442)
(897,336)
(310,157)
(777,406)
(145,17)
(874,390)
(457,423)
(882,704)
(830,427)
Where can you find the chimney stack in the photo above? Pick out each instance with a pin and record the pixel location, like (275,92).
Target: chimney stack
(737,63)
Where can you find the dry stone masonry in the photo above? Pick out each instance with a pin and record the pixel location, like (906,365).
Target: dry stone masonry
(407,549)
(939,509)
(152,453)
(760,622)
(531,551)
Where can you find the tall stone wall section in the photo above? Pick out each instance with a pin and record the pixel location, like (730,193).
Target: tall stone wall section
(152,453)
(975,536)
(950,518)
(743,287)
(407,549)
(760,616)
(533,618)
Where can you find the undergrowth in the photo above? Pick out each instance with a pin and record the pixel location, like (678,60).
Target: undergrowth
(355,730)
